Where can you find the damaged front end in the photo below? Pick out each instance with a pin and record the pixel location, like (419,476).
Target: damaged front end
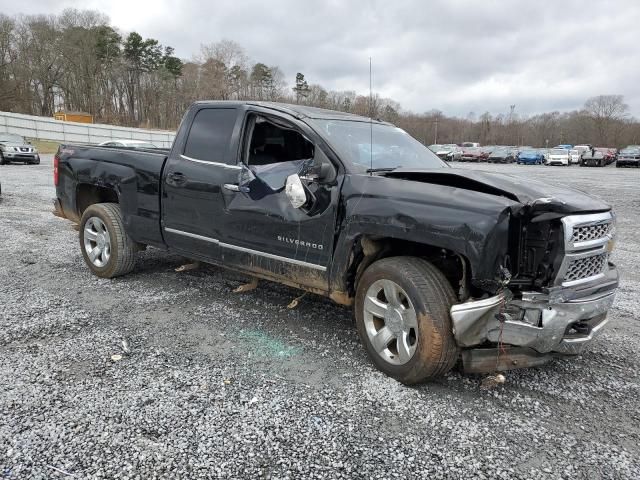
(555,297)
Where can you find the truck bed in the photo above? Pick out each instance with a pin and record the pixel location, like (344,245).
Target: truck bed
(87,173)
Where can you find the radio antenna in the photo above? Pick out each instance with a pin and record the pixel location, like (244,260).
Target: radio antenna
(370,118)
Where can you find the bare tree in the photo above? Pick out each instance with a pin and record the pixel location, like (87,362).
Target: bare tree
(607,113)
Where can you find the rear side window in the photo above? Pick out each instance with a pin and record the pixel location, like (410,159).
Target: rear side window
(210,134)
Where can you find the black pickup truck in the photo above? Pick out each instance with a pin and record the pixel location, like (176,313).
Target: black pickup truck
(440,265)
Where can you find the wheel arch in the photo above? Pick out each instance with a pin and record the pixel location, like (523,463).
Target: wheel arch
(88,194)
(366,249)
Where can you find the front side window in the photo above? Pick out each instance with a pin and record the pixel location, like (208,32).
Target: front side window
(276,151)
(210,134)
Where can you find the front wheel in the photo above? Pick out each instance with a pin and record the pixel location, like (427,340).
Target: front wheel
(107,249)
(402,314)
(3,161)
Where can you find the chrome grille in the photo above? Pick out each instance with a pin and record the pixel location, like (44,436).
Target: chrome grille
(590,232)
(583,268)
(586,244)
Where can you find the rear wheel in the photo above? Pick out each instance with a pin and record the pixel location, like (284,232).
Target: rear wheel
(402,314)
(107,249)
(3,161)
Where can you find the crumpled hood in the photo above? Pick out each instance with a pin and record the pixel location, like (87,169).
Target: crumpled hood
(540,196)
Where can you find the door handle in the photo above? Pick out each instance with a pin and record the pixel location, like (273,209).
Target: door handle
(177,178)
(233,187)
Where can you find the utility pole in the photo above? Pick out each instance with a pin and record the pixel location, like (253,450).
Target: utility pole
(435,139)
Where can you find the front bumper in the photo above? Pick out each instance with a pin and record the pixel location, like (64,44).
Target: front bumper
(628,162)
(22,157)
(560,321)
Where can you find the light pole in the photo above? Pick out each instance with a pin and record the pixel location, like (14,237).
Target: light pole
(435,138)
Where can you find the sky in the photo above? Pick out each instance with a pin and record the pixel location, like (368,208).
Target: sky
(457,56)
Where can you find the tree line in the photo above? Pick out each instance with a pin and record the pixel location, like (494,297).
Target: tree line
(77,61)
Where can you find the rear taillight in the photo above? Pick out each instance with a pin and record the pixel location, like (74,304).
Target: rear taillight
(56,161)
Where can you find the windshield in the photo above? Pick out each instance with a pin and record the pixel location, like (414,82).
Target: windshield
(630,151)
(559,151)
(11,137)
(529,152)
(392,146)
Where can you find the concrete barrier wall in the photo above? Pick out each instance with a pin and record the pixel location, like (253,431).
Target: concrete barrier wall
(44,128)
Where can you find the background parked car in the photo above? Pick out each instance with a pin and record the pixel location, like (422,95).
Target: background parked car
(610,154)
(447,152)
(487,149)
(470,144)
(128,144)
(558,156)
(629,157)
(565,146)
(582,148)
(592,158)
(455,152)
(530,156)
(503,155)
(14,148)
(575,156)
(473,154)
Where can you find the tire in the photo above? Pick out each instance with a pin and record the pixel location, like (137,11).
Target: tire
(3,161)
(426,291)
(121,256)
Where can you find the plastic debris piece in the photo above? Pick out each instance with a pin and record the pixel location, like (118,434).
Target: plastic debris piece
(116,358)
(296,301)
(492,381)
(188,266)
(247,287)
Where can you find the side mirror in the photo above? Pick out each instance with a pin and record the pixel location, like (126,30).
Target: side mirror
(295,191)
(322,169)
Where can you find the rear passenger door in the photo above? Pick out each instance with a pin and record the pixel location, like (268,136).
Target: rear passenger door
(202,160)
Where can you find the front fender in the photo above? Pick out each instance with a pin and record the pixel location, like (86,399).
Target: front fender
(472,224)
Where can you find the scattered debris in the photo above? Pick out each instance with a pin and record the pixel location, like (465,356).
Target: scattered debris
(61,471)
(247,287)
(125,346)
(116,358)
(294,303)
(492,381)
(188,266)
(226,381)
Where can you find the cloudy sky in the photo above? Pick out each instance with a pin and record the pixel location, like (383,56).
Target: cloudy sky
(454,55)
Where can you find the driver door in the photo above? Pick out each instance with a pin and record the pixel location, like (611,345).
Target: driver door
(263,232)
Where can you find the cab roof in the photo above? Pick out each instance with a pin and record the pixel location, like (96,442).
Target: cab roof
(298,111)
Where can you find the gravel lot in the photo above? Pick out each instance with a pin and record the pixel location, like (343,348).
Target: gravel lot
(223,385)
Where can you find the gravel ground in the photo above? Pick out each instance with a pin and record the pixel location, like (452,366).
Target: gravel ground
(223,385)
